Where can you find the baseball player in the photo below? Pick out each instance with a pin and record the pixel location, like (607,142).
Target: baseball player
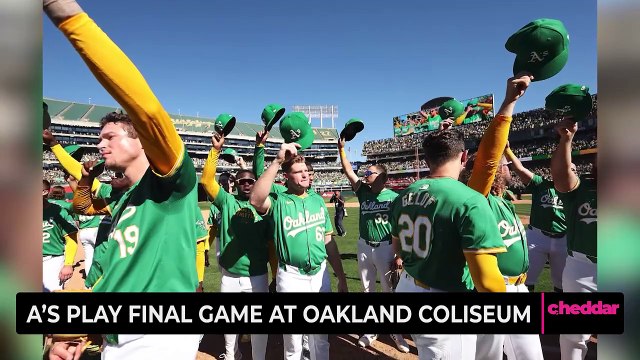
(438,226)
(59,243)
(489,177)
(375,253)
(338,201)
(546,233)
(243,237)
(152,224)
(302,233)
(579,197)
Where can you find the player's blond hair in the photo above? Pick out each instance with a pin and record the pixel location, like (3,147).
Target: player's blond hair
(287,164)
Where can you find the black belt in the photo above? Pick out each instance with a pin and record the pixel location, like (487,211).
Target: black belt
(547,233)
(376,244)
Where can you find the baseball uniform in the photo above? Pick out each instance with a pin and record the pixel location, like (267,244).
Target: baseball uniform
(513,265)
(546,232)
(56,225)
(152,223)
(436,221)
(300,224)
(580,271)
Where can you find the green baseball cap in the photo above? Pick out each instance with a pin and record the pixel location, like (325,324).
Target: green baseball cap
(295,128)
(225,123)
(472,102)
(571,99)
(229,155)
(541,48)
(451,109)
(271,114)
(76,151)
(46,118)
(351,128)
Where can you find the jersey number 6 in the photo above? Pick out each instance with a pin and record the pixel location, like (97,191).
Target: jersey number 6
(416,235)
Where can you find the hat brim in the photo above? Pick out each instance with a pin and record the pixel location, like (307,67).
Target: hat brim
(78,154)
(276,117)
(230,158)
(350,130)
(546,71)
(435,103)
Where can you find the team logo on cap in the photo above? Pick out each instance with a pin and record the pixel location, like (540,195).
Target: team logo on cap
(448,110)
(565,109)
(535,57)
(295,134)
(219,125)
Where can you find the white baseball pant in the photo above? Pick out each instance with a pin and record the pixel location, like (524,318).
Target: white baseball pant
(580,275)
(432,346)
(541,249)
(515,346)
(290,279)
(51,266)
(87,238)
(372,262)
(134,347)
(245,284)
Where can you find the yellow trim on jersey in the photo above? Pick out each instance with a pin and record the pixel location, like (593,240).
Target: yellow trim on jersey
(70,248)
(120,77)
(489,154)
(496,250)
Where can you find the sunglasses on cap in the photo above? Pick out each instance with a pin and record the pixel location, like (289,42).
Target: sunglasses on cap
(368,173)
(246,181)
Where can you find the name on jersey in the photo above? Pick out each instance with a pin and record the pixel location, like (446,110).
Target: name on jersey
(368,206)
(551,201)
(587,213)
(301,223)
(423,199)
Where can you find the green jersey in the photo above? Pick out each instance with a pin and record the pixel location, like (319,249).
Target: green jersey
(436,221)
(214,214)
(299,225)
(547,212)
(151,245)
(516,260)
(374,213)
(65,205)
(581,209)
(56,224)
(243,236)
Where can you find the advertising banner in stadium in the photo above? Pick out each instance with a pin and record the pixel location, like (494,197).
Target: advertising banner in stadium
(479,108)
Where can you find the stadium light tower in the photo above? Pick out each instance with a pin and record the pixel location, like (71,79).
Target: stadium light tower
(319,112)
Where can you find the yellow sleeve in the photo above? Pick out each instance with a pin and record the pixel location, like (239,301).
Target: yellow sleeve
(71,165)
(208,179)
(70,248)
(489,154)
(200,260)
(273,258)
(460,119)
(485,272)
(120,77)
(84,204)
(487,106)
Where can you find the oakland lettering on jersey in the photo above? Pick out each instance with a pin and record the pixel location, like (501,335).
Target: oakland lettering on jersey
(549,201)
(588,213)
(508,230)
(303,223)
(374,206)
(423,199)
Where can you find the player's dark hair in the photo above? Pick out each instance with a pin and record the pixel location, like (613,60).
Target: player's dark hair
(46,184)
(245,171)
(382,170)
(57,193)
(442,146)
(309,166)
(120,118)
(286,166)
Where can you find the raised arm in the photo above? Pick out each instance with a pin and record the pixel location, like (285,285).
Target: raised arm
(208,179)
(258,152)
(495,137)
(564,179)
(68,163)
(119,76)
(83,201)
(523,173)
(259,197)
(346,165)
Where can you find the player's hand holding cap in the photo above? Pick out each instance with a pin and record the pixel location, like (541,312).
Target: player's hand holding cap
(224,124)
(451,109)
(295,128)
(271,114)
(572,100)
(541,48)
(351,128)
(229,155)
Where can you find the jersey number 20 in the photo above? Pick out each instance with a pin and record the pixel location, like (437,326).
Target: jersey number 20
(416,235)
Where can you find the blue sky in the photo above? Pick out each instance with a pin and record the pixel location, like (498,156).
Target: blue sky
(374,59)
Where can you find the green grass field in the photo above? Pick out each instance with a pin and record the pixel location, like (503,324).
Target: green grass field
(348,251)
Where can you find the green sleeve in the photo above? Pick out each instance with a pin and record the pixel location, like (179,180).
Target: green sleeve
(536,180)
(67,224)
(258,160)
(104,191)
(478,228)
(222,198)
